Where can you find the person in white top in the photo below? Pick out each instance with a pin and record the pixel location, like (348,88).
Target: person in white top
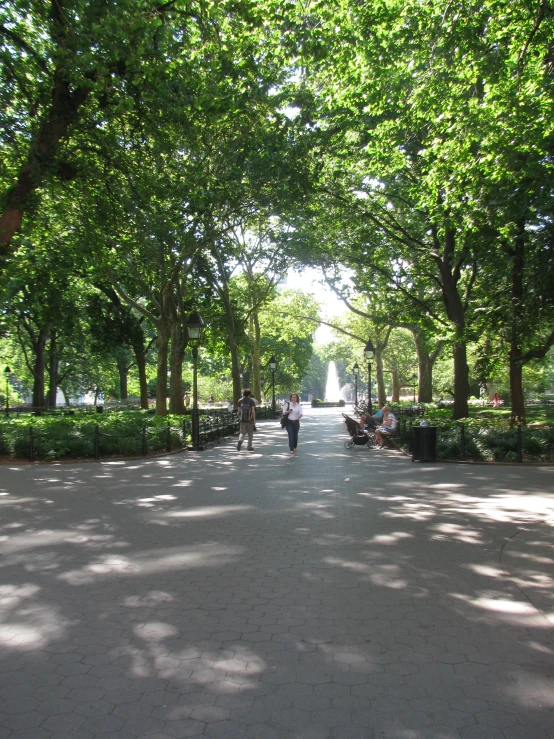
(293,410)
(388,427)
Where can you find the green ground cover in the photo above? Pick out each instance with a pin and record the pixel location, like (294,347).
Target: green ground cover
(487,435)
(121,434)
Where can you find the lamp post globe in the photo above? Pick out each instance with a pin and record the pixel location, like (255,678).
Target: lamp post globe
(273,367)
(356,371)
(195,331)
(7,373)
(369,353)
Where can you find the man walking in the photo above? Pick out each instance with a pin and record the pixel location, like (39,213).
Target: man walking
(247,416)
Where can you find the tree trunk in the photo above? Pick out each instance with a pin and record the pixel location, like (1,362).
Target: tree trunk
(122,369)
(232,339)
(381,391)
(162,345)
(395,386)
(256,381)
(53,372)
(456,313)
(39,348)
(140,358)
(176,401)
(425,363)
(517,414)
(41,159)
(461,380)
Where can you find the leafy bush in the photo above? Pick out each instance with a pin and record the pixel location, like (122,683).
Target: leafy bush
(120,434)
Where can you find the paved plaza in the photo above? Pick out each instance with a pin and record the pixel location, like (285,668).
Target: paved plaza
(333,595)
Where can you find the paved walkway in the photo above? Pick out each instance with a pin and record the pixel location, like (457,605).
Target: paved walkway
(264,596)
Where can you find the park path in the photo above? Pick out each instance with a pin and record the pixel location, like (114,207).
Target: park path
(262,596)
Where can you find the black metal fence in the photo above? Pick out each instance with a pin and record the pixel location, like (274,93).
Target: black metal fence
(466,442)
(96,441)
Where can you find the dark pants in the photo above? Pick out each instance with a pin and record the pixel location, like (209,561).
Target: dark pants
(292,431)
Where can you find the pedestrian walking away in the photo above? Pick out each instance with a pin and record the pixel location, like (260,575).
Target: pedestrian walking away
(247,417)
(294,414)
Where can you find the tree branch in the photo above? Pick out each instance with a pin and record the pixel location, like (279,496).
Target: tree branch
(539,353)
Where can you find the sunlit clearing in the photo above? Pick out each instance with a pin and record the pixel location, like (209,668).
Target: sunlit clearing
(538,647)
(446,485)
(206,511)
(21,542)
(154,561)
(485,570)
(454,531)
(156,629)
(504,608)
(392,538)
(382,575)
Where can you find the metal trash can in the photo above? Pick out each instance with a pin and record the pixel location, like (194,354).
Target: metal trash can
(100,409)
(424,444)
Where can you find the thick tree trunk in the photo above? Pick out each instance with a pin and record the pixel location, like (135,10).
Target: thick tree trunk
(461,380)
(39,365)
(176,401)
(41,159)
(515,357)
(456,313)
(140,359)
(122,369)
(381,391)
(162,345)
(395,386)
(425,362)
(232,339)
(256,381)
(53,372)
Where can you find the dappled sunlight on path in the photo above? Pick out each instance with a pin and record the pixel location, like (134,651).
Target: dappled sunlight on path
(335,594)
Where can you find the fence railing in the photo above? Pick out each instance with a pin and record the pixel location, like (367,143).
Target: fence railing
(463,442)
(36,443)
(95,442)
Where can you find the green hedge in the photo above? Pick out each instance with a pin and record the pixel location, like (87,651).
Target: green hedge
(490,440)
(119,434)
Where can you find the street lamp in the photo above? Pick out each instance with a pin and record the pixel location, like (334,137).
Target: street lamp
(369,353)
(195,327)
(273,367)
(355,370)
(7,373)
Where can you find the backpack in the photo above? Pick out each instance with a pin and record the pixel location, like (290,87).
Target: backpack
(245,406)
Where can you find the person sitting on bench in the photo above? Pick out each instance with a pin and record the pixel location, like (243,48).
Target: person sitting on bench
(388,427)
(377,418)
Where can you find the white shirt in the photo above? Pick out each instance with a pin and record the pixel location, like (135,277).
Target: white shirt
(295,410)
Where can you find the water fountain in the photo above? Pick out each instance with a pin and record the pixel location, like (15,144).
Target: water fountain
(332,389)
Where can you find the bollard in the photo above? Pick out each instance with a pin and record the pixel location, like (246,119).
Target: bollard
(462,441)
(519,454)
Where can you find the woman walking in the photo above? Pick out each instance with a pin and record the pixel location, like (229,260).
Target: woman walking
(294,414)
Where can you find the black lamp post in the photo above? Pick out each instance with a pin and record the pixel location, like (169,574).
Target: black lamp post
(369,353)
(7,373)
(355,370)
(195,328)
(273,367)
